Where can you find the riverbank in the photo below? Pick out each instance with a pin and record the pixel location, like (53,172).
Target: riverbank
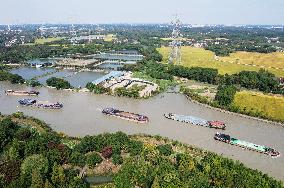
(119,156)
(209,104)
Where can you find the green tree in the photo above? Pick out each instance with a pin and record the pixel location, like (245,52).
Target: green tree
(37,163)
(58,83)
(165,149)
(58,176)
(47,184)
(37,181)
(77,158)
(117,159)
(225,94)
(94,159)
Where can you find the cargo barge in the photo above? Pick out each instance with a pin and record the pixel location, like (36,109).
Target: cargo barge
(247,145)
(21,93)
(126,115)
(196,121)
(40,104)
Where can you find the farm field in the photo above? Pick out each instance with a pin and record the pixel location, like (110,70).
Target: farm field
(275,60)
(271,106)
(45,40)
(109,37)
(193,57)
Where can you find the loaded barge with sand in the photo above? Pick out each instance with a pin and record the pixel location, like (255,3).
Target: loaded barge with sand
(247,145)
(126,115)
(196,121)
(40,104)
(21,93)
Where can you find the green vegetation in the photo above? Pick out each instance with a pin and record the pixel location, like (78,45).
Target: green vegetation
(58,83)
(132,92)
(93,159)
(97,89)
(37,159)
(198,57)
(225,95)
(165,149)
(13,78)
(162,83)
(261,105)
(33,83)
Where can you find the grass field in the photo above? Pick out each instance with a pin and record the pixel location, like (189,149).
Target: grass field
(275,59)
(193,57)
(271,106)
(45,40)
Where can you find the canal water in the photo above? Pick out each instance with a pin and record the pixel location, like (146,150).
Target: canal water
(76,79)
(81,115)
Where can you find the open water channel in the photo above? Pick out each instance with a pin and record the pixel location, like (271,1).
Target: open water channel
(81,115)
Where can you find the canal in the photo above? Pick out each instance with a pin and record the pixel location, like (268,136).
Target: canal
(82,116)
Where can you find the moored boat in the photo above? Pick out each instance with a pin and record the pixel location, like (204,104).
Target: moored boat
(40,104)
(247,145)
(196,121)
(126,115)
(22,93)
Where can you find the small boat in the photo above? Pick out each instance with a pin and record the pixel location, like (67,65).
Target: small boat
(196,121)
(247,145)
(22,93)
(126,115)
(40,104)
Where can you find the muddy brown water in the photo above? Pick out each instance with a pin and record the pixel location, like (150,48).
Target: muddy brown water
(81,115)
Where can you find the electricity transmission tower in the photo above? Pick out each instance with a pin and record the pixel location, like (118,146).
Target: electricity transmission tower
(175,44)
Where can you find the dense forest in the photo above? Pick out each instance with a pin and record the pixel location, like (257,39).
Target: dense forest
(32,155)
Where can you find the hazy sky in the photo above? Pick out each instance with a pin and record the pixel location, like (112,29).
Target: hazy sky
(142,11)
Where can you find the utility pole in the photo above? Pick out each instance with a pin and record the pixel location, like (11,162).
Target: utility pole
(175,44)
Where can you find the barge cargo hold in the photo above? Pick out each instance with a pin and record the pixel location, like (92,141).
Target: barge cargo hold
(126,115)
(247,145)
(40,104)
(196,121)
(22,93)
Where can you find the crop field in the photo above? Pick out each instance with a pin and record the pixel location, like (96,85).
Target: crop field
(275,60)
(271,106)
(199,57)
(45,40)
(109,37)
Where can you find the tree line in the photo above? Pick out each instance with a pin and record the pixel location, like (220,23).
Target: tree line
(261,80)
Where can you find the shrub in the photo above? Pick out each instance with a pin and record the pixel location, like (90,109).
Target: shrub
(135,147)
(77,158)
(94,159)
(165,149)
(97,89)
(34,83)
(23,134)
(117,159)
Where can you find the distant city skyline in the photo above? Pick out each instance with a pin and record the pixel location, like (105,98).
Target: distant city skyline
(235,12)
